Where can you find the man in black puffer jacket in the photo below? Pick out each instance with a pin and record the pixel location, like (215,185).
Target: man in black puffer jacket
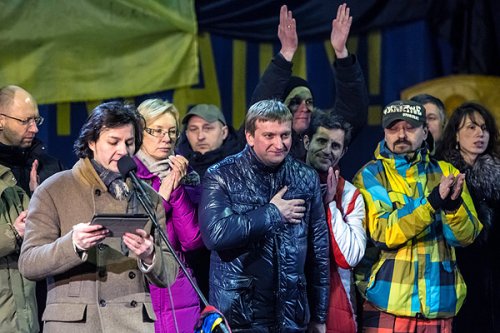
(261,215)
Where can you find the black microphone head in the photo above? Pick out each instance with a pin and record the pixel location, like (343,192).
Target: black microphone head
(126,164)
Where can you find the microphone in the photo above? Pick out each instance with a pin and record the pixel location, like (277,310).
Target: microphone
(126,164)
(127,167)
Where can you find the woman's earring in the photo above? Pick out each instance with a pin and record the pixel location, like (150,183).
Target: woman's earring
(457,146)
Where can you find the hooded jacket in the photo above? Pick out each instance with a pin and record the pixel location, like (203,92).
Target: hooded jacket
(263,270)
(345,217)
(415,272)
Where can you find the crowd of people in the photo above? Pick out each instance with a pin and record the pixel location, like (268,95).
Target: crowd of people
(269,230)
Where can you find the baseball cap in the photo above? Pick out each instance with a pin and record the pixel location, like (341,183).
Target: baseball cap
(410,111)
(209,112)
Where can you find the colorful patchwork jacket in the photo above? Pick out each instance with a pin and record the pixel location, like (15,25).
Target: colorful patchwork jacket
(414,272)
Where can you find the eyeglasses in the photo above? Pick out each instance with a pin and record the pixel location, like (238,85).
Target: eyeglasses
(27,122)
(160,133)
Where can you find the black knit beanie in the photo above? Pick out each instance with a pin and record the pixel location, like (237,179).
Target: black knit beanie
(295,82)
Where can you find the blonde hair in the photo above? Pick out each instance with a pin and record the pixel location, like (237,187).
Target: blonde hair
(153,108)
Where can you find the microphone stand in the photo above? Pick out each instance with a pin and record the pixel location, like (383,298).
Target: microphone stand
(148,206)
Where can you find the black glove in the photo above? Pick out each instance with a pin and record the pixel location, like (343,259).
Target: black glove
(452,205)
(435,200)
(447,204)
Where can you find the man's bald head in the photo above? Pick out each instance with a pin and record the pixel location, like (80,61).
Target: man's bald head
(14,95)
(18,115)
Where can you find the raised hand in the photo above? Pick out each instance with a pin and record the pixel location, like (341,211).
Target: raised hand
(341,26)
(458,185)
(178,169)
(451,184)
(20,223)
(291,210)
(332,181)
(287,34)
(445,185)
(34,178)
(179,165)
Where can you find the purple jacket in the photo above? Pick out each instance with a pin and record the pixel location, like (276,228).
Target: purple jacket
(184,234)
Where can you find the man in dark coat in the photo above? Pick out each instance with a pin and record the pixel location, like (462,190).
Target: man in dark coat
(261,214)
(22,152)
(351,100)
(206,138)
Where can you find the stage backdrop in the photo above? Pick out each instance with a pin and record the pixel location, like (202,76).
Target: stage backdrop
(224,69)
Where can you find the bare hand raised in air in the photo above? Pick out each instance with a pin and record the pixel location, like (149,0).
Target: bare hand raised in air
(287,33)
(341,26)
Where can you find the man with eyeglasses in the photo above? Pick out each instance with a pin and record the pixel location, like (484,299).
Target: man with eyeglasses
(351,100)
(20,150)
(27,158)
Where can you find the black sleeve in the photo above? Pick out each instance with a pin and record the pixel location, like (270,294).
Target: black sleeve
(273,82)
(351,101)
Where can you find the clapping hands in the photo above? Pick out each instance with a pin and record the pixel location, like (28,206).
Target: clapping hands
(179,166)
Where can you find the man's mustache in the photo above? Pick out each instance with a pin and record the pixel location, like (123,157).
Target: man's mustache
(403,142)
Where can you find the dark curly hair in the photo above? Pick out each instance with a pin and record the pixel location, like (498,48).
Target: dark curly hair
(108,115)
(329,120)
(468,109)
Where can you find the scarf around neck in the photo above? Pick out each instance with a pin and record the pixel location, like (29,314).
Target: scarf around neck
(161,168)
(113,180)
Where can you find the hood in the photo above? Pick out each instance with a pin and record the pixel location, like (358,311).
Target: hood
(401,161)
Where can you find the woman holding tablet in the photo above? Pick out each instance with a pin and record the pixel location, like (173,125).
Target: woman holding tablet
(177,308)
(95,283)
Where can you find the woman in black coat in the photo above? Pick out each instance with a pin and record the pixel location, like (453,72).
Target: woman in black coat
(470,143)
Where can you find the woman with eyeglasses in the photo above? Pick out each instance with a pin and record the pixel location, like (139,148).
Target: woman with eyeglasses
(96,282)
(178,307)
(471,143)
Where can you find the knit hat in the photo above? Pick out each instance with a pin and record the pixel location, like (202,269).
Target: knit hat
(293,83)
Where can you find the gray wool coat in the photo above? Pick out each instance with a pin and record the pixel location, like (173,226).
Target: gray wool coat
(104,290)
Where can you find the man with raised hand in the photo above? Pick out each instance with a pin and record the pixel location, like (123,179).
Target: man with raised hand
(351,95)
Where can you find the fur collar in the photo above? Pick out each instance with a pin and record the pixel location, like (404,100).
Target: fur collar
(483,178)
